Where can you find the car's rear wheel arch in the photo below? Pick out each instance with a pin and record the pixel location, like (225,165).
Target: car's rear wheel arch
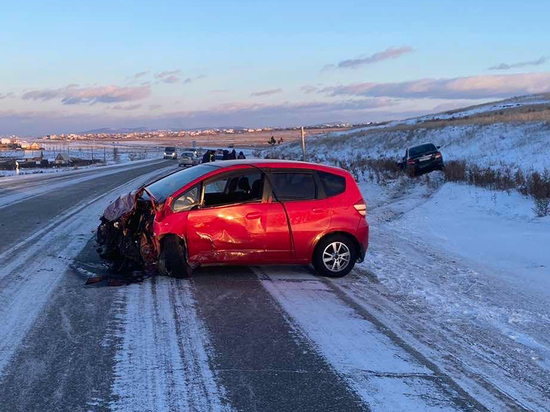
(350,236)
(335,254)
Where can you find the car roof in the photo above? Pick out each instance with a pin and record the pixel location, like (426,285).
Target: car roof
(277,163)
(422,144)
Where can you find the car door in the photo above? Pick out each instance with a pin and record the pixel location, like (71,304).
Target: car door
(309,213)
(229,226)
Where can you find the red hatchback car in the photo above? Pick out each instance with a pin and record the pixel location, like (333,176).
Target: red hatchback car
(249,212)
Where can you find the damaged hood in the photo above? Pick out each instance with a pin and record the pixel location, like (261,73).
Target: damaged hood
(121,206)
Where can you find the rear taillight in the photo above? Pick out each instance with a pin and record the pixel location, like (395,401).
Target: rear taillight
(410,162)
(437,155)
(361,207)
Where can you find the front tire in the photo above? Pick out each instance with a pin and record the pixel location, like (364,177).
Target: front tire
(172,261)
(335,256)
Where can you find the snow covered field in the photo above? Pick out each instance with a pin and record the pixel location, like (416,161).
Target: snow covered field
(518,146)
(471,269)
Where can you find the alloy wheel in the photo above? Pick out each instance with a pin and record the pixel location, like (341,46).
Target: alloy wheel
(336,256)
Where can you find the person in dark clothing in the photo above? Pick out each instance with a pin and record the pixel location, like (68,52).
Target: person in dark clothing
(241,155)
(233,154)
(225,155)
(206,156)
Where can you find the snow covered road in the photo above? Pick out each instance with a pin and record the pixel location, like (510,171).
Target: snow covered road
(242,339)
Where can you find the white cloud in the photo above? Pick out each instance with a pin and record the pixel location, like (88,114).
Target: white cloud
(506,66)
(269,92)
(389,53)
(472,87)
(73,94)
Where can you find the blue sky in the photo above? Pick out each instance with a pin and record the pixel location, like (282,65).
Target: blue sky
(71,66)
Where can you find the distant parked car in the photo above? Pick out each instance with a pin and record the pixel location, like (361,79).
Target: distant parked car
(170,153)
(191,149)
(422,159)
(188,159)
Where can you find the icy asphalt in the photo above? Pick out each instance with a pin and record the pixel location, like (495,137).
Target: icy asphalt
(229,339)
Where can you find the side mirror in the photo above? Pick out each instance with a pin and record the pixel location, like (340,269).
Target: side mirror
(439,147)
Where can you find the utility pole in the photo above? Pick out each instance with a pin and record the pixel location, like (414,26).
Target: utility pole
(104,155)
(303,144)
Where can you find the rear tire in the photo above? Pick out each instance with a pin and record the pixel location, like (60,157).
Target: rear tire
(335,256)
(172,260)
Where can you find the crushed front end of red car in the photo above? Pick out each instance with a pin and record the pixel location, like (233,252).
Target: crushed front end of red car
(125,234)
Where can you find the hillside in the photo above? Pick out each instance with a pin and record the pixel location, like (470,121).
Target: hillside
(512,133)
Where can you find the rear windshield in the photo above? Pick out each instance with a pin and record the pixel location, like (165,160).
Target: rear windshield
(166,186)
(170,149)
(424,148)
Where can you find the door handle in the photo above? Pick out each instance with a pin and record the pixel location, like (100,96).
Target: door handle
(317,210)
(253,215)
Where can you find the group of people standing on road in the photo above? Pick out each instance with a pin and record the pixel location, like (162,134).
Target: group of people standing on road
(210,155)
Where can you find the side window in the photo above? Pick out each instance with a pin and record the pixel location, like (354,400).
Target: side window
(294,186)
(187,200)
(233,189)
(333,184)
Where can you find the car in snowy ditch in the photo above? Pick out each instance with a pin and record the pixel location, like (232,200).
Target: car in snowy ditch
(240,212)
(422,159)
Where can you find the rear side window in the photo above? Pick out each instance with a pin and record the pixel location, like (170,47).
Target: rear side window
(333,184)
(294,186)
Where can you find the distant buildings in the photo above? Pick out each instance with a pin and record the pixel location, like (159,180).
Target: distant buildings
(110,136)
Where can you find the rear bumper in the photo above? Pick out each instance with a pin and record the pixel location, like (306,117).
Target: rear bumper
(430,165)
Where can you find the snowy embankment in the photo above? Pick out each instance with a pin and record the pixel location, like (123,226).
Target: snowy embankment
(470,268)
(522,146)
(463,271)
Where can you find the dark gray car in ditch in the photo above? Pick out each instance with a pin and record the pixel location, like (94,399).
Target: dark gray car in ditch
(422,159)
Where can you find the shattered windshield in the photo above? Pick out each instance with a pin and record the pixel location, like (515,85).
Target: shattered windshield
(163,188)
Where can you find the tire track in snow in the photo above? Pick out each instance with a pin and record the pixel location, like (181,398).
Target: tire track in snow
(163,361)
(385,374)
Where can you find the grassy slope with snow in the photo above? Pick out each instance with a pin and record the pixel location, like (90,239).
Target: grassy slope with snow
(492,135)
